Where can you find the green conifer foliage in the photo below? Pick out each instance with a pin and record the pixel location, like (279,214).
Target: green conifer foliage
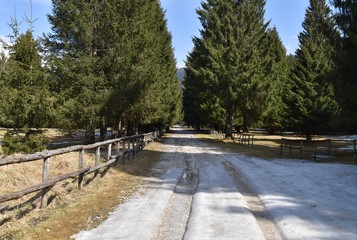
(314,105)
(112,62)
(233,63)
(28,102)
(346,15)
(159,101)
(3,89)
(201,107)
(277,72)
(77,77)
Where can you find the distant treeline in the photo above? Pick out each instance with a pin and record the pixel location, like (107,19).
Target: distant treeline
(104,64)
(239,74)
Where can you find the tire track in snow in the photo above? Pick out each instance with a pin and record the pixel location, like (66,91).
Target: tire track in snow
(174,219)
(265,222)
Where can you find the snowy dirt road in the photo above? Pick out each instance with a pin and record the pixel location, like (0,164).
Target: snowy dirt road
(200,191)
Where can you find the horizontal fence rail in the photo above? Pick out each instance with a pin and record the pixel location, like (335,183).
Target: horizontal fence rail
(244,138)
(318,147)
(124,146)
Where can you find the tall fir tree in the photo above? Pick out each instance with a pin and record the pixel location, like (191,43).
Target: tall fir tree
(201,107)
(346,18)
(3,89)
(76,77)
(277,73)
(113,64)
(314,105)
(25,99)
(142,69)
(233,61)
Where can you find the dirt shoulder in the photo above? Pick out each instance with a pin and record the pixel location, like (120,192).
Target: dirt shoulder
(75,210)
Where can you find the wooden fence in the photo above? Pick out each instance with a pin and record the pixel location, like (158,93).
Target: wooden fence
(124,146)
(317,147)
(217,134)
(244,138)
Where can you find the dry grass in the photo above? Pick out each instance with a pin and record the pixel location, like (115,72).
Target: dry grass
(268,147)
(70,210)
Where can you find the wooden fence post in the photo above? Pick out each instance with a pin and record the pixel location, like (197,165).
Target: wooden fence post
(45,174)
(129,147)
(118,148)
(301,142)
(329,150)
(97,156)
(315,151)
(109,151)
(354,147)
(133,144)
(138,143)
(80,166)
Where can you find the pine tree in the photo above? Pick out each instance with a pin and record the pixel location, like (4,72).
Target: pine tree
(75,64)
(201,107)
(314,105)
(25,99)
(277,71)
(3,89)
(346,15)
(234,62)
(159,101)
(113,64)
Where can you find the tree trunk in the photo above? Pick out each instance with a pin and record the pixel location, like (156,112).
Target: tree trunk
(89,136)
(103,130)
(229,126)
(130,128)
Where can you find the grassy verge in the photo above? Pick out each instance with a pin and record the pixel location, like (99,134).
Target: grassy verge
(268,147)
(74,210)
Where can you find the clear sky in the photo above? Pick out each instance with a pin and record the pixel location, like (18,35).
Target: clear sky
(285,15)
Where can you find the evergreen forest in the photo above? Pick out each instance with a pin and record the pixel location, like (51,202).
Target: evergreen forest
(239,76)
(104,64)
(111,64)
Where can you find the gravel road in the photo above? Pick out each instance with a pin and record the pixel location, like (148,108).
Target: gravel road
(194,194)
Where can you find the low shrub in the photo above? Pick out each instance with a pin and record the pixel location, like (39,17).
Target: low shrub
(22,141)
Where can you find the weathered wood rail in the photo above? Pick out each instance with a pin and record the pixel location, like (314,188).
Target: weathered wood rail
(244,138)
(317,147)
(124,146)
(217,134)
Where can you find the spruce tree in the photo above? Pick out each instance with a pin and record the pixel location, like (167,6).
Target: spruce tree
(27,101)
(201,107)
(75,64)
(346,15)
(112,64)
(159,101)
(234,62)
(3,89)
(277,72)
(314,105)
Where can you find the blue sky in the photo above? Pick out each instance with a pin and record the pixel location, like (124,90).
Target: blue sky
(285,15)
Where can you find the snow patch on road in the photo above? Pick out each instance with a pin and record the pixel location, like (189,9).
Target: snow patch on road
(141,213)
(307,200)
